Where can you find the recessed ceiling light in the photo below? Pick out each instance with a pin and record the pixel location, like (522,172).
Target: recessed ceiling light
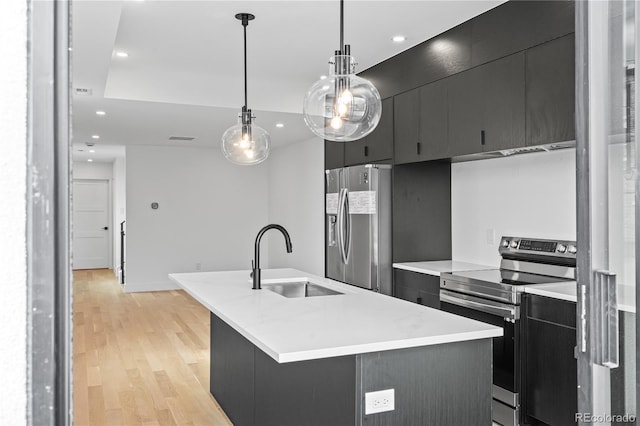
(90,160)
(95,136)
(101,113)
(92,150)
(122,54)
(279,125)
(322,77)
(399,38)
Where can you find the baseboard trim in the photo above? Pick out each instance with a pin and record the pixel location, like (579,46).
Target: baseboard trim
(135,287)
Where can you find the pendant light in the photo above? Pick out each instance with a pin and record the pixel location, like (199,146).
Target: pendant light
(246,143)
(342,107)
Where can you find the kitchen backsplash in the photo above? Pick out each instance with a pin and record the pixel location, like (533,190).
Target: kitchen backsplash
(532,195)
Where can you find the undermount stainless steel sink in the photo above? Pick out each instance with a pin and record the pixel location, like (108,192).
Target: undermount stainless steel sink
(299,289)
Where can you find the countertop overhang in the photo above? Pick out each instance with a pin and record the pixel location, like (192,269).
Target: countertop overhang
(299,329)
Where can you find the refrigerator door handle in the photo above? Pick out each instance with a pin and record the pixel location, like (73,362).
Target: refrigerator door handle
(341,225)
(347,237)
(340,232)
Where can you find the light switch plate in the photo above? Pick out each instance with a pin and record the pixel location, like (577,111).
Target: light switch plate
(379,401)
(491,236)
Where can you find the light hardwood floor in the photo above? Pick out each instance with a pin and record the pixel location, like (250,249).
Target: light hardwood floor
(139,358)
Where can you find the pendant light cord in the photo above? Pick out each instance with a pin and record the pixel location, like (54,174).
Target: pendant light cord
(342,26)
(244,25)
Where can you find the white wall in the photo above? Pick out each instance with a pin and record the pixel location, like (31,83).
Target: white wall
(530,195)
(209,213)
(296,201)
(119,186)
(13,160)
(95,170)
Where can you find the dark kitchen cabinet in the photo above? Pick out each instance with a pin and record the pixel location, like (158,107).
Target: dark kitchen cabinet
(421,123)
(518,25)
(378,145)
(333,155)
(416,287)
(421,212)
(550,391)
(406,129)
(487,107)
(434,121)
(465,112)
(550,92)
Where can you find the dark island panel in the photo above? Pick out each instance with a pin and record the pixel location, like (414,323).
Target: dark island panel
(439,385)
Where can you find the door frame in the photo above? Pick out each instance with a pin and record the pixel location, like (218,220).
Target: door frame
(110,216)
(592,173)
(49,291)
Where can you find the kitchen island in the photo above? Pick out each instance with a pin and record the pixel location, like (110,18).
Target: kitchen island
(277,360)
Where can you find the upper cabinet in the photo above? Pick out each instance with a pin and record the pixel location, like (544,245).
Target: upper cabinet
(406,115)
(475,111)
(434,120)
(421,124)
(378,145)
(486,107)
(550,92)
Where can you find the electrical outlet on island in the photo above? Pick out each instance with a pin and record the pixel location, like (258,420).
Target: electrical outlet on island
(379,401)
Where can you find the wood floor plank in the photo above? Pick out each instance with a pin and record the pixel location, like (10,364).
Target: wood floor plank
(139,358)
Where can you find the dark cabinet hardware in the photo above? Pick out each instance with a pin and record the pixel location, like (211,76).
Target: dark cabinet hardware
(418,148)
(106,228)
(482,137)
(366,151)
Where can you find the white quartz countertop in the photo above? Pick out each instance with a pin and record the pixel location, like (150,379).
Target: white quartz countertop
(568,291)
(297,329)
(438,267)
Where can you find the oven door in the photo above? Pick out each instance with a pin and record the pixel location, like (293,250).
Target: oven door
(506,356)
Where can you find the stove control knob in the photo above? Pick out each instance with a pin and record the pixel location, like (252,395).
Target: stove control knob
(572,249)
(505,243)
(561,248)
(514,244)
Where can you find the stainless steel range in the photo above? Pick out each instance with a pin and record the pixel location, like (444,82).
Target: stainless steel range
(493,296)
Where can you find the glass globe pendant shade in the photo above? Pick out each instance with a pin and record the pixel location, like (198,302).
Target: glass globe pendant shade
(246,144)
(342,107)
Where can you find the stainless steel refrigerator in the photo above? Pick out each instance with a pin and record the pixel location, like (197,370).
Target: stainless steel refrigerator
(358,226)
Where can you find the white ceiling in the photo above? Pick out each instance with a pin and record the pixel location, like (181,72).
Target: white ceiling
(184,73)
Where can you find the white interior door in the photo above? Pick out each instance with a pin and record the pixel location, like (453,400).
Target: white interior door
(91,219)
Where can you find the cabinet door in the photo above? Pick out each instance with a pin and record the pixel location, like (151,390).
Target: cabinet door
(550,100)
(378,145)
(406,129)
(380,142)
(418,288)
(550,365)
(434,121)
(502,85)
(465,112)
(333,155)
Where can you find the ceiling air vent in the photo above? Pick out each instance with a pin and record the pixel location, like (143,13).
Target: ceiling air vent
(83,91)
(181,138)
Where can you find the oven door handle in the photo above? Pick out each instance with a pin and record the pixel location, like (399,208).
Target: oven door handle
(508,312)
